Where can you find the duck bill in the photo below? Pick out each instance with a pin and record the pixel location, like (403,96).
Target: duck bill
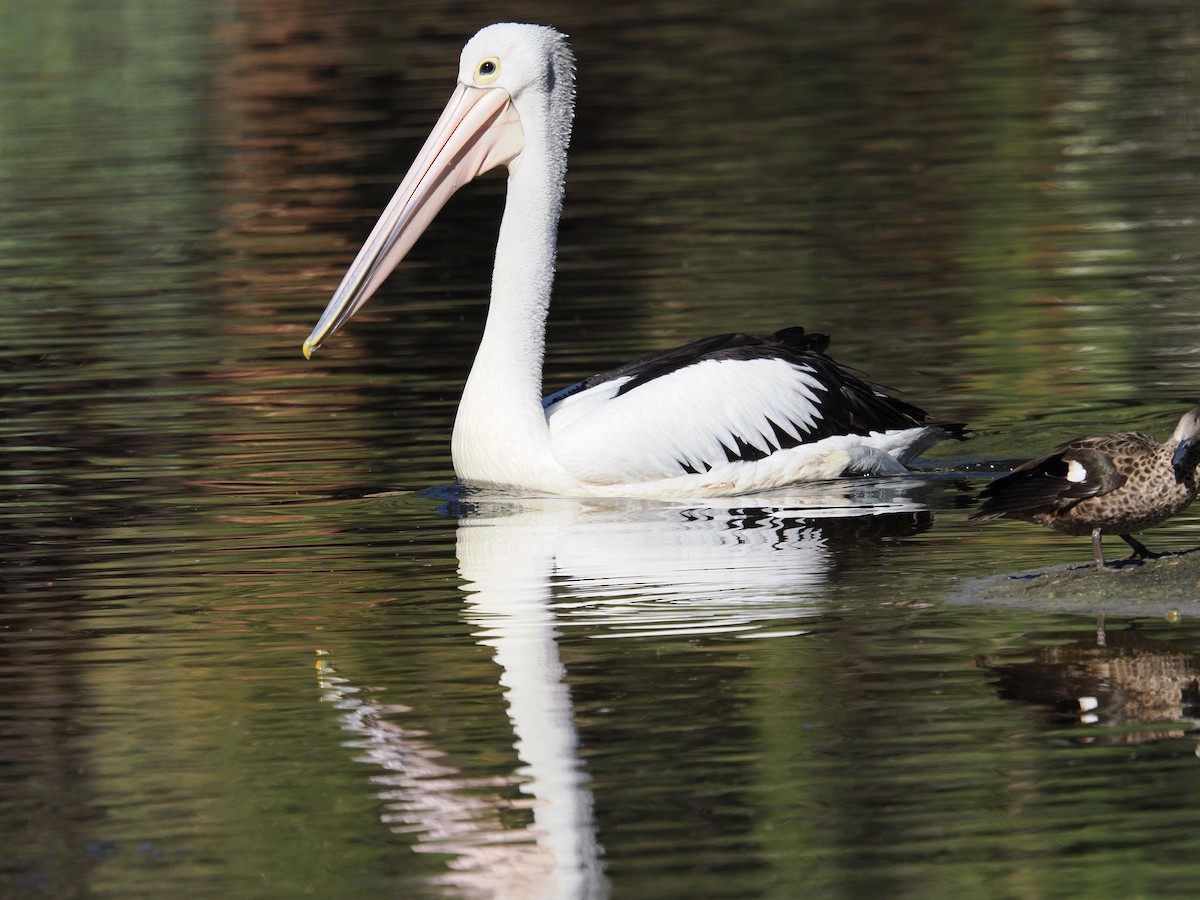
(478,130)
(1183,460)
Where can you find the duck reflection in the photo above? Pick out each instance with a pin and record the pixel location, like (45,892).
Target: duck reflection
(1130,689)
(533,568)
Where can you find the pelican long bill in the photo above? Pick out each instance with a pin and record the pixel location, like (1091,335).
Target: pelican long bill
(478,130)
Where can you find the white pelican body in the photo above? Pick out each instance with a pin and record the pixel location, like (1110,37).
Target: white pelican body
(727,415)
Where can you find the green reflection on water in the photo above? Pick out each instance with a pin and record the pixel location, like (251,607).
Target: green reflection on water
(991,209)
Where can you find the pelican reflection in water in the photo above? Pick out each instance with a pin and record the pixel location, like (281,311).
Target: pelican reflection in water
(535,569)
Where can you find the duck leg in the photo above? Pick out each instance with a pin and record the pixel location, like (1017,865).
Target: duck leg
(1139,549)
(1098,548)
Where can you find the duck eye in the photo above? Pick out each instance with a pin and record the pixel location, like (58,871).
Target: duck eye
(487,71)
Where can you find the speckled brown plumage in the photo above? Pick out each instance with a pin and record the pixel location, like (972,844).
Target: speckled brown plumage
(1108,484)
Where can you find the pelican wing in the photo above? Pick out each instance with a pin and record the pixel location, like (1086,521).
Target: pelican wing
(719,400)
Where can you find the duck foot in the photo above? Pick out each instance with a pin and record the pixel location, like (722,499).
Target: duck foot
(1139,549)
(1140,554)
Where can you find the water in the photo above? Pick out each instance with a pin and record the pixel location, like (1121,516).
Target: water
(253,645)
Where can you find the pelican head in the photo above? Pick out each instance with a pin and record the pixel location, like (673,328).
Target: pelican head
(510,79)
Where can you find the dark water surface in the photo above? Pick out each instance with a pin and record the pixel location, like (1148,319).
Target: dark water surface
(240,657)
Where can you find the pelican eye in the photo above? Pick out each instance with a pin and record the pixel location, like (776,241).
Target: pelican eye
(487,71)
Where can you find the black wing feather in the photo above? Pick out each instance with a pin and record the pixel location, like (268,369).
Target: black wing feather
(853,405)
(1041,485)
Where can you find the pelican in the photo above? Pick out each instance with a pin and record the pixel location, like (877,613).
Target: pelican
(721,416)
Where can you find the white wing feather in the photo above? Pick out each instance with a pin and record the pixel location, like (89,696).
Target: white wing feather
(685,418)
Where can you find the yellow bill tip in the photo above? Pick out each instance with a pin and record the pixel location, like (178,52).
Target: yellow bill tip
(308,349)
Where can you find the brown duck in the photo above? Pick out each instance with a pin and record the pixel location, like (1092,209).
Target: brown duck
(1108,484)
